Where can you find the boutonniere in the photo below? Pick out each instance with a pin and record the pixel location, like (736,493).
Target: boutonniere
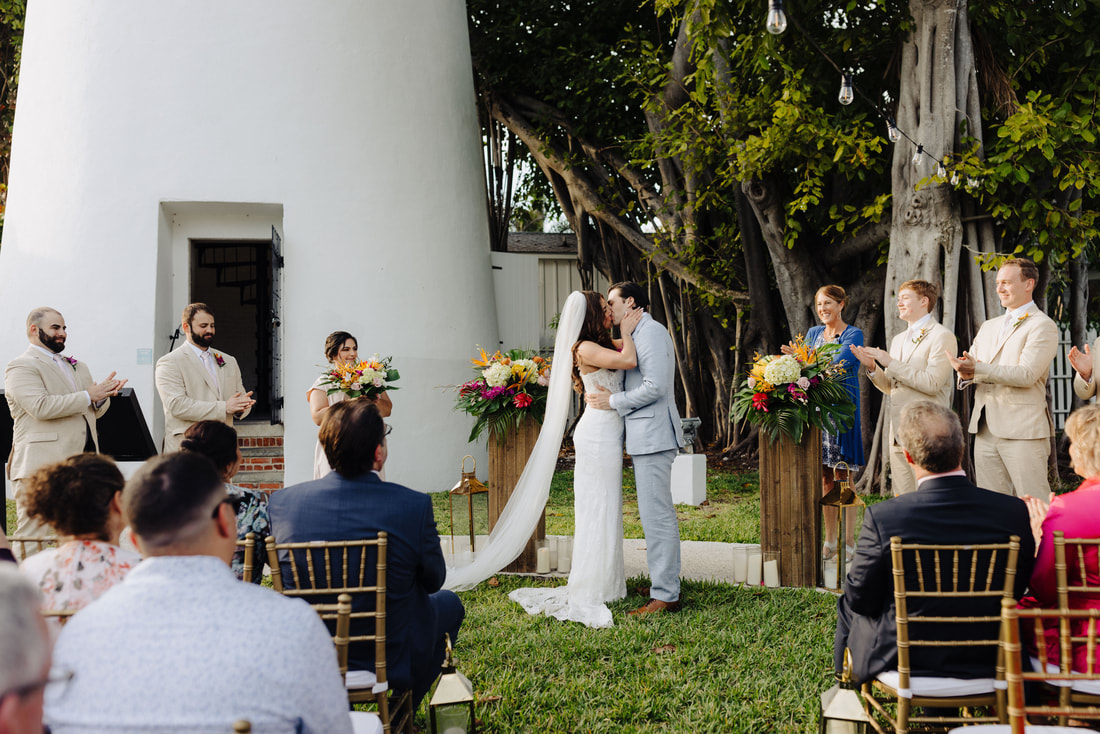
(219,359)
(1020,320)
(70,360)
(920,337)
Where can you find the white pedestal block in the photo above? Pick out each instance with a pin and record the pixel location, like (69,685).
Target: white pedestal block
(689,479)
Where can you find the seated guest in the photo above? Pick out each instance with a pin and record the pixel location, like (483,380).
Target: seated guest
(24,654)
(354,503)
(80,498)
(1077,515)
(217,441)
(182,645)
(945,509)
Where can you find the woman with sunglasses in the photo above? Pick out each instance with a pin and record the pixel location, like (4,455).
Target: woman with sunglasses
(78,497)
(218,442)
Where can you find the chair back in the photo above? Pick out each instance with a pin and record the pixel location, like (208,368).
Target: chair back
(248,543)
(323,573)
(60,615)
(957,589)
(24,545)
(1076,567)
(1034,626)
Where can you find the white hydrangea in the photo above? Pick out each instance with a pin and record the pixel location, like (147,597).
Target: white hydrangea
(497,375)
(782,370)
(527,365)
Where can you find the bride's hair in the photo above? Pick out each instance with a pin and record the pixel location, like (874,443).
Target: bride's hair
(592,330)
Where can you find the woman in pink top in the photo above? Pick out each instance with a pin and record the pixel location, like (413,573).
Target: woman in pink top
(79,497)
(1077,515)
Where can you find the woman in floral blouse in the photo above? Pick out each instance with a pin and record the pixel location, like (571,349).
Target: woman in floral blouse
(218,442)
(79,497)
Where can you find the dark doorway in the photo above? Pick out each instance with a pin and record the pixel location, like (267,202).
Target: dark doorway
(236,279)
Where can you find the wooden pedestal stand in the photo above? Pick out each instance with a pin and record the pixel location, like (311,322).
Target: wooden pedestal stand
(790,518)
(506,463)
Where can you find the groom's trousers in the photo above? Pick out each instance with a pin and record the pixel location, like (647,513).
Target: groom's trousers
(653,477)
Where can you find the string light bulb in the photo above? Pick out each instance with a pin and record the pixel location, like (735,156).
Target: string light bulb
(846,93)
(777,19)
(941,172)
(892,131)
(954,178)
(919,155)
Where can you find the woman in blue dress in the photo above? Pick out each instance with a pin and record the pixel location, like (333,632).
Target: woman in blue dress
(829,304)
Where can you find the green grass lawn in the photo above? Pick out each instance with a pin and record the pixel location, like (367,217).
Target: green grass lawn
(731,514)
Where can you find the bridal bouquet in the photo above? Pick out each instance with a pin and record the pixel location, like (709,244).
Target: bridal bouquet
(368,379)
(508,388)
(786,392)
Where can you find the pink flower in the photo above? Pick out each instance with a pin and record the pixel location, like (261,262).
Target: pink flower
(356,386)
(522,400)
(760,402)
(378,382)
(752,382)
(803,382)
(543,380)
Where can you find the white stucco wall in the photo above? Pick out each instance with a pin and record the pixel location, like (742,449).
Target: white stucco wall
(353,120)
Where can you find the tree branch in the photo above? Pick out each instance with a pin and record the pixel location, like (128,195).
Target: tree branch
(859,243)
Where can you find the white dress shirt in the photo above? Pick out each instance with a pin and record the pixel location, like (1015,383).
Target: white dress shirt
(181,645)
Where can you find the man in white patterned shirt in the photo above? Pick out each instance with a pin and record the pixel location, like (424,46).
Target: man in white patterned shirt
(181,644)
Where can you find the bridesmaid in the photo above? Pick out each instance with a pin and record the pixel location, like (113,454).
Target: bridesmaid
(340,348)
(844,447)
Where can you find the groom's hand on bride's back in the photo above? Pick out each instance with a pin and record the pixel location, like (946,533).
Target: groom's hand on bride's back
(600,399)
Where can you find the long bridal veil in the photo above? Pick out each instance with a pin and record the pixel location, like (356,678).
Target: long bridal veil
(524,508)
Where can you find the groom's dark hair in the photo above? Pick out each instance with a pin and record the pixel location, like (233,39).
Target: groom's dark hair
(629,289)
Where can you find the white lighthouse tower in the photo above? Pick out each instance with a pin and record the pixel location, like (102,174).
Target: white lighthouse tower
(302,167)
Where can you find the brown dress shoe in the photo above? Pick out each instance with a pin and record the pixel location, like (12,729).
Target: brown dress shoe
(654,606)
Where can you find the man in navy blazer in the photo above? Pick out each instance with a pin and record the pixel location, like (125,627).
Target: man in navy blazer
(353,503)
(945,509)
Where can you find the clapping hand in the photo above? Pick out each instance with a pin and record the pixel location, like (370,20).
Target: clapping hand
(869,356)
(100,391)
(963,365)
(1082,362)
(239,403)
(1037,513)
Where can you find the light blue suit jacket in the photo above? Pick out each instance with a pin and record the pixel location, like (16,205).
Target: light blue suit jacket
(647,403)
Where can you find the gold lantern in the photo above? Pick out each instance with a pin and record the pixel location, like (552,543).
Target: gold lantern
(842,710)
(841,496)
(467,486)
(451,710)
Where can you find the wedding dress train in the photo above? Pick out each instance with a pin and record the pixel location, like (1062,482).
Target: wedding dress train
(597,574)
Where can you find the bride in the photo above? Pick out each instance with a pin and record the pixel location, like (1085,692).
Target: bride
(597,576)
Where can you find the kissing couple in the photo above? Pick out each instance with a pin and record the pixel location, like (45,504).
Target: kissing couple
(628,389)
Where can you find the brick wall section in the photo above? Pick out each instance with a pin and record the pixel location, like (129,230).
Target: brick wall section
(261,455)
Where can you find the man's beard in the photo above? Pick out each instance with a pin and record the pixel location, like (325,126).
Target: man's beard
(55,344)
(202,341)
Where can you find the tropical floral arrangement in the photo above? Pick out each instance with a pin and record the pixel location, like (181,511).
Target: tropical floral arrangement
(509,387)
(367,379)
(783,393)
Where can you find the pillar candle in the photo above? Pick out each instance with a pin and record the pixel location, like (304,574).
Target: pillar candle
(543,563)
(740,564)
(756,567)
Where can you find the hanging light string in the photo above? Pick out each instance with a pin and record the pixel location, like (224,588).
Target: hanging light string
(776,24)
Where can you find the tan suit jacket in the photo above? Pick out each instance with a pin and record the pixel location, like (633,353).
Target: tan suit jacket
(1086,390)
(51,420)
(189,393)
(919,372)
(1011,377)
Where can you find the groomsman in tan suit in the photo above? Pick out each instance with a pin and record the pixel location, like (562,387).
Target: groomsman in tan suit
(197,383)
(54,405)
(1083,384)
(915,368)
(1009,363)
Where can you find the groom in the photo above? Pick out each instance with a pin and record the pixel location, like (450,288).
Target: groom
(653,438)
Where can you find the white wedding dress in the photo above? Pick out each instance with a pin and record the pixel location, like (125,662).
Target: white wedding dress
(597,574)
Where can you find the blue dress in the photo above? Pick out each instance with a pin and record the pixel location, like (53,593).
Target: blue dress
(848,446)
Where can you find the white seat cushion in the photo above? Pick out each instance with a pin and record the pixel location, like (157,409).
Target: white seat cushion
(356,680)
(920,685)
(1091,687)
(365,722)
